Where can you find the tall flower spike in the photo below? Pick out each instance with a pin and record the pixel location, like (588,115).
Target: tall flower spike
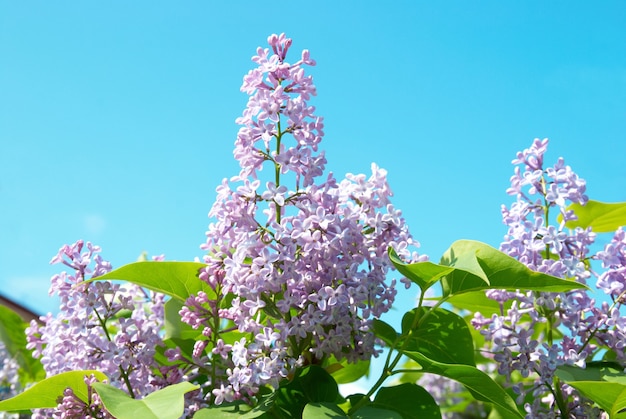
(88,332)
(303,256)
(536,238)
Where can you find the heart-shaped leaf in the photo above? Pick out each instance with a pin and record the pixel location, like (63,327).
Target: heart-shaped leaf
(45,393)
(177,279)
(602,217)
(481,386)
(167,403)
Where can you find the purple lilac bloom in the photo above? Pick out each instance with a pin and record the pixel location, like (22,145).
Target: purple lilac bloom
(90,333)
(9,379)
(302,255)
(536,238)
(72,407)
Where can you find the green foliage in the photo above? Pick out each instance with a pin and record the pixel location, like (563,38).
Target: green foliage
(385,332)
(409,400)
(45,393)
(237,409)
(311,384)
(167,403)
(438,334)
(175,328)
(12,334)
(423,274)
(469,266)
(476,301)
(176,279)
(478,266)
(602,382)
(344,372)
(322,411)
(481,386)
(436,340)
(602,217)
(370,412)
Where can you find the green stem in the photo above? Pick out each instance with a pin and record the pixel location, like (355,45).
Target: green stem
(123,372)
(592,334)
(388,369)
(560,402)
(279,136)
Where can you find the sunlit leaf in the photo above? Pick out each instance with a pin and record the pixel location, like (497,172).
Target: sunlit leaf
(424,274)
(409,400)
(385,332)
(177,279)
(175,328)
(167,403)
(237,409)
(347,372)
(603,382)
(479,266)
(441,336)
(370,412)
(476,301)
(602,217)
(481,386)
(611,397)
(45,393)
(322,411)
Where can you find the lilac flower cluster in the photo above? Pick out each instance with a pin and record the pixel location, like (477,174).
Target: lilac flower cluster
(9,379)
(72,407)
(101,325)
(572,327)
(298,272)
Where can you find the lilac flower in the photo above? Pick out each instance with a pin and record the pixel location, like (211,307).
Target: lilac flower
(88,332)
(72,407)
(304,257)
(535,238)
(9,375)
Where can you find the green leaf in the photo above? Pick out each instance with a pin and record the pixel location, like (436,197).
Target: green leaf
(369,412)
(477,301)
(385,332)
(603,382)
(318,385)
(424,274)
(348,372)
(409,400)
(593,371)
(322,411)
(237,409)
(177,279)
(311,384)
(479,266)
(45,393)
(442,335)
(481,386)
(600,216)
(167,403)
(175,328)
(13,336)
(611,397)
(12,331)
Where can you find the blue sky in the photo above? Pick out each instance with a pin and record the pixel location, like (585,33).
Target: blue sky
(117,118)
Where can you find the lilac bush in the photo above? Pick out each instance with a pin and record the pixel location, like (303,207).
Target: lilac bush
(286,301)
(296,265)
